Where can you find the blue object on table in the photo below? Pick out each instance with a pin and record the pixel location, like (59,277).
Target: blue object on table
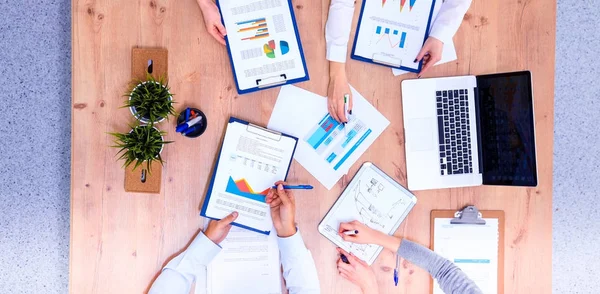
(187,114)
(296,187)
(397,270)
(192,129)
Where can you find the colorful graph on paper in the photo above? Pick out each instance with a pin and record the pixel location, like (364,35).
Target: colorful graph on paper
(402,4)
(253,29)
(270,47)
(394,37)
(243,189)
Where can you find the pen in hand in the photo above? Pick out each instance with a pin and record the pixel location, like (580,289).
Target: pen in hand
(295,187)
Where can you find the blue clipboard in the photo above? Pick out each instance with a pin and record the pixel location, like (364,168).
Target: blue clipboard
(287,82)
(360,58)
(212,181)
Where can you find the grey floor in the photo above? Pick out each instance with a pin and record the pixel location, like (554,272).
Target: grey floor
(34,180)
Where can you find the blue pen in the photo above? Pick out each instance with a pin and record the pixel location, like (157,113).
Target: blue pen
(297,187)
(397,270)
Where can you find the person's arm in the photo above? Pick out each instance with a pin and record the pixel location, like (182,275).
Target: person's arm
(299,270)
(450,278)
(190,265)
(448,20)
(212,20)
(337,34)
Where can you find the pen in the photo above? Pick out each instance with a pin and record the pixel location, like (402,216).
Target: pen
(184,126)
(346,97)
(397,270)
(351,233)
(296,187)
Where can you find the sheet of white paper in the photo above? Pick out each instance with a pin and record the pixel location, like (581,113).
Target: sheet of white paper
(249,164)
(248,263)
(372,200)
(325,148)
(393,31)
(448,55)
(473,248)
(262,40)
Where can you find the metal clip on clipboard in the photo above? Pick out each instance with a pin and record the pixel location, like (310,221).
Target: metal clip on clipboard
(271,81)
(469,215)
(263,132)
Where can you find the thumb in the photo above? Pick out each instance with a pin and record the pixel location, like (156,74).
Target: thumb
(421,53)
(228,219)
(221,29)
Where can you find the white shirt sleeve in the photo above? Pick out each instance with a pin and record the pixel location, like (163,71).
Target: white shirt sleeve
(449,19)
(299,270)
(337,29)
(189,266)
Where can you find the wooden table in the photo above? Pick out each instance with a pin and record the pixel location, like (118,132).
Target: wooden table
(120,241)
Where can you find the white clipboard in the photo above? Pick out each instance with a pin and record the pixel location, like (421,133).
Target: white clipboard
(373,198)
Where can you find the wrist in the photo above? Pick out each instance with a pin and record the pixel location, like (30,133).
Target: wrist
(287,231)
(337,69)
(204,3)
(391,243)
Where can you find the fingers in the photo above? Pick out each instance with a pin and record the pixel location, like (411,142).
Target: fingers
(342,251)
(226,221)
(341,265)
(422,53)
(351,226)
(332,110)
(341,113)
(217,35)
(285,200)
(221,29)
(431,62)
(350,103)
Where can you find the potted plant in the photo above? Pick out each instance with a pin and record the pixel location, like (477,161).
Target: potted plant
(143,143)
(150,101)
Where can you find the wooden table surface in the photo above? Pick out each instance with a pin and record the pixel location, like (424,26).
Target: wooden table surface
(120,241)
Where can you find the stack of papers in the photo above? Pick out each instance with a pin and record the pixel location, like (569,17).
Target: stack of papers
(326,148)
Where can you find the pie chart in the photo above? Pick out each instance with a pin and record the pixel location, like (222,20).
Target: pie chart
(271,50)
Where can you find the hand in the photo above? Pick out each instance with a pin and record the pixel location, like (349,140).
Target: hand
(358,272)
(283,210)
(338,87)
(431,53)
(218,230)
(367,235)
(212,20)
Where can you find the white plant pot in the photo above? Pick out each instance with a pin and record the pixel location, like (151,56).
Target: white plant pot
(162,138)
(134,112)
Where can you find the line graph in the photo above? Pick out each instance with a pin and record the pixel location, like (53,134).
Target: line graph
(395,38)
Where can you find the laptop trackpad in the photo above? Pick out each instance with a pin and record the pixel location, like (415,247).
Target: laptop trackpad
(421,134)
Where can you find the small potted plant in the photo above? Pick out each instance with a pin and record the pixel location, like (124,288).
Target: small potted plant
(150,101)
(143,144)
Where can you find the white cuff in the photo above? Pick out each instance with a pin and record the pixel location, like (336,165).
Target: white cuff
(441,33)
(200,253)
(336,53)
(291,245)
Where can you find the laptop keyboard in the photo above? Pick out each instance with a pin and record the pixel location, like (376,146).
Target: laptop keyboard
(454,132)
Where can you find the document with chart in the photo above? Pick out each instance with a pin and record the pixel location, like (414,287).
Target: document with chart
(251,160)
(263,43)
(392,32)
(326,148)
(374,199)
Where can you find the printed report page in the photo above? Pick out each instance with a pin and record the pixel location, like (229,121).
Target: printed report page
(262,41)
(393,31)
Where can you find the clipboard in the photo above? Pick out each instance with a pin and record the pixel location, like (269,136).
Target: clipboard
(257,130)
(470,215)
(384,60)
(373,198)
(271,81)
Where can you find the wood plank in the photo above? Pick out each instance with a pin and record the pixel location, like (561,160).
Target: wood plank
(120,241)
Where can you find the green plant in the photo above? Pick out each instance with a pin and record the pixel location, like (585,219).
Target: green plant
(142,144)
(151,100)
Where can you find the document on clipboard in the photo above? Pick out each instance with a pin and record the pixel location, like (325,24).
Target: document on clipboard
(251,160)
(263,43)
(391,33)
(473,240)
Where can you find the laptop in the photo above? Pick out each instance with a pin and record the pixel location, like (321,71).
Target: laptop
(469,131)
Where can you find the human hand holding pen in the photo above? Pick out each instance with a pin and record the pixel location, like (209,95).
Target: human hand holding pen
(283,210)
(366,235)
(338,88)
(357,271)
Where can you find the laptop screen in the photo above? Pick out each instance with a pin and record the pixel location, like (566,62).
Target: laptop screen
(507,129)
